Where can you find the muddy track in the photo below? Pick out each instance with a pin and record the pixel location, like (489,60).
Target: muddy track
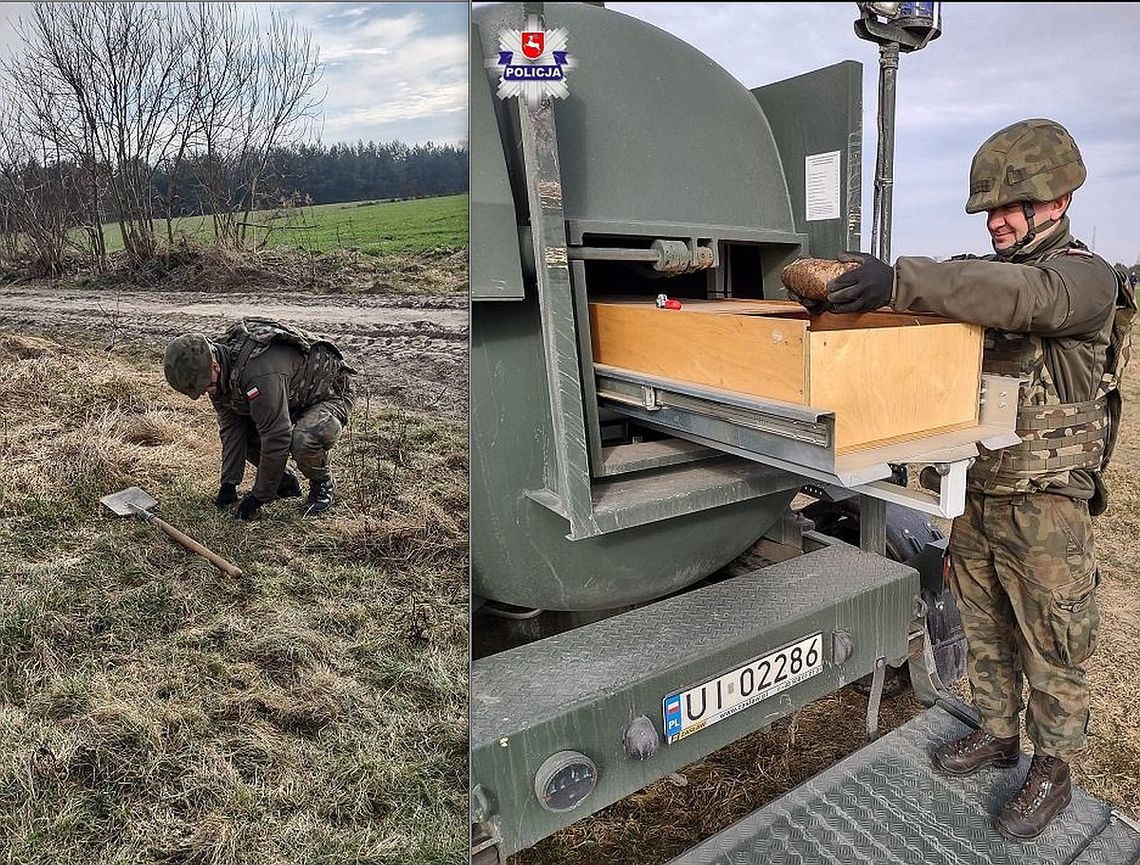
(411,351)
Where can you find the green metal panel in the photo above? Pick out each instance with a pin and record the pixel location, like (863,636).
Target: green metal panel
(495,268)
(567,480)
(519,548)
(580,690)
(821,112)
(530,478)
(653,131)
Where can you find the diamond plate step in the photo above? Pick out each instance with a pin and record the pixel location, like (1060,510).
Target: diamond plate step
(886,804)
(1118,843)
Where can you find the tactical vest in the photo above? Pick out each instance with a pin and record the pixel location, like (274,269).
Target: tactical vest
(250,337)
(1056,437)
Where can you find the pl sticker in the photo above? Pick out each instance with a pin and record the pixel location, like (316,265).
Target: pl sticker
(532,63)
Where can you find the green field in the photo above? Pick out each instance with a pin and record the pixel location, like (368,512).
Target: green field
(378,228)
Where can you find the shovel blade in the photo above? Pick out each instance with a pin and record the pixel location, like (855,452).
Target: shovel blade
(120,503)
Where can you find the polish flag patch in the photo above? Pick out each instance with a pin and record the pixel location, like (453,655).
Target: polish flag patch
(252,393)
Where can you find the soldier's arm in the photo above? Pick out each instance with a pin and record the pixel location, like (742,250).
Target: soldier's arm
(269,408)
(1065,296)
(231,429)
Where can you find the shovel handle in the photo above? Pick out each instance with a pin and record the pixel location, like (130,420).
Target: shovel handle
(195,547)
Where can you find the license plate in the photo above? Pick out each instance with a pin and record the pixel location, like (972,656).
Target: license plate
(693,710)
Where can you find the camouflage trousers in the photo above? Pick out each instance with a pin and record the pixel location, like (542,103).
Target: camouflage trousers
(315,431)
(314,434)
(1023,573)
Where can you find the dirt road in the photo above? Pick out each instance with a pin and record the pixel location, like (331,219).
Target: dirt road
(411,351)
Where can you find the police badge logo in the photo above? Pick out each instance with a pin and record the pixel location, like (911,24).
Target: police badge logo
(532,63)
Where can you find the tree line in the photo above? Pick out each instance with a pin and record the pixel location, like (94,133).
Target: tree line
(323,174)
(136,113)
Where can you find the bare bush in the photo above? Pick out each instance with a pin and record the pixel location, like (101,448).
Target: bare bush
(37,204)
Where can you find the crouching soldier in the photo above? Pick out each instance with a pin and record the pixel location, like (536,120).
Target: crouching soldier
(277,391)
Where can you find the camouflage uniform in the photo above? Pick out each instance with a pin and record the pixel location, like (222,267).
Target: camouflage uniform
(1023,569)
(280,391)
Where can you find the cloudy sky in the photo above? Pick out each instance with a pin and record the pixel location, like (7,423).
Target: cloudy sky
(995,63)
(392,71)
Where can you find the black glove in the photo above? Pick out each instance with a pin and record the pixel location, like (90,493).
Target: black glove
(863,289)
(813,307)
(227,495)
(249,505)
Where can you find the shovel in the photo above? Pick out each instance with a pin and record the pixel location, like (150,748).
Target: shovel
(135,501)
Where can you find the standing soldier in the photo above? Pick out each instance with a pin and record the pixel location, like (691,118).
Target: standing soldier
(1023,569)
(277,390)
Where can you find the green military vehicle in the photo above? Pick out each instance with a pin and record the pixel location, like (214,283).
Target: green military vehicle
(618,634)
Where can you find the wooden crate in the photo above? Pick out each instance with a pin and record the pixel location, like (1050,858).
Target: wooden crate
(888,377)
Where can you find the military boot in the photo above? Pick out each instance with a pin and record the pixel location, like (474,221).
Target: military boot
(289,487)
(975,751)
(320,497)
(1046,793)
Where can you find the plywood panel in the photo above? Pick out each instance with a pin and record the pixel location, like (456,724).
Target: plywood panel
(828,321)
(886,384)
(878,318)
(744,353)
(723,306)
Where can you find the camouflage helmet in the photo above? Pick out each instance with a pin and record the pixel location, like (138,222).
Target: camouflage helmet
(1031,160)
(189,364)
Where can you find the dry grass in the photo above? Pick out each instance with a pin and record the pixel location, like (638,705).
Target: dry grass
(1111,767)
(153,709)
(664,819)
(189,265)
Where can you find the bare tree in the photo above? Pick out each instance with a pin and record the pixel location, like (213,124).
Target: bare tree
(225,62)
(42,122)
(37,209)
(114,92)
(124,65)
(289,67)
(259,91)
(201,22)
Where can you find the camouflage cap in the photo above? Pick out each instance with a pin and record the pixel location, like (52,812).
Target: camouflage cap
(1031,160)
(188,364)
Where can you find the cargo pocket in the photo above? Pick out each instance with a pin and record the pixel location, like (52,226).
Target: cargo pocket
(1075,619)
(1072,519)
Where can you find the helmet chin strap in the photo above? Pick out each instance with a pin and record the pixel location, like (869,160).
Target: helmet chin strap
(1030,235)
(221,355)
